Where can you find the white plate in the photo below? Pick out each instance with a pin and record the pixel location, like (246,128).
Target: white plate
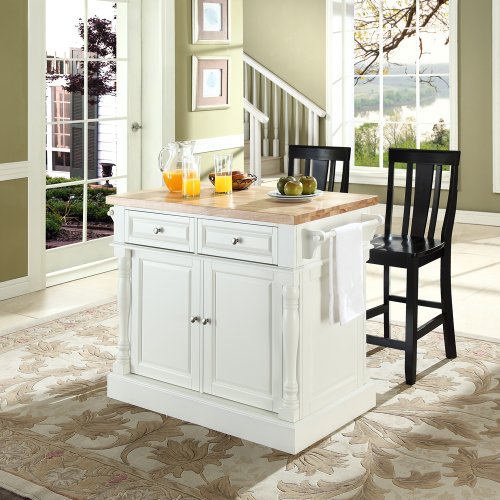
(302,197)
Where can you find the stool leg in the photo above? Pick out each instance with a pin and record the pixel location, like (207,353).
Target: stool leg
(411,324)
(447,307)
(387,285)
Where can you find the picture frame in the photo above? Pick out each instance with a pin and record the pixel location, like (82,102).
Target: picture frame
(210,83)
(210,21)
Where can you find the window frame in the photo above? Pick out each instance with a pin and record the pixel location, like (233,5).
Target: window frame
(340,89)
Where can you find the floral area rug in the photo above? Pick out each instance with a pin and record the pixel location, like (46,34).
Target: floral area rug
(61,437)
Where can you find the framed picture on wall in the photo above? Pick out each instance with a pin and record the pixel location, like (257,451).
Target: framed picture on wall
(210,21)
(210,83)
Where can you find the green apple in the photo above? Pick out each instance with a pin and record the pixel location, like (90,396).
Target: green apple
(280,186)
(309,183)
(293,188)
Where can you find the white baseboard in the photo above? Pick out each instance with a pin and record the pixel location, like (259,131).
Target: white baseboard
(14,288)
(84,271)
(219,143)
(462,216)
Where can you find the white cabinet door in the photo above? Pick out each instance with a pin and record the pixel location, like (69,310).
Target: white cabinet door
(239,346)
(166,295)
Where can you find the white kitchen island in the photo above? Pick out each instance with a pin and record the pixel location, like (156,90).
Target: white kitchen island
(223,314)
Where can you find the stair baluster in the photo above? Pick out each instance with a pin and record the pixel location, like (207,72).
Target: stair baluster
(265,141)
(285,120)
(296,162)
(276,121)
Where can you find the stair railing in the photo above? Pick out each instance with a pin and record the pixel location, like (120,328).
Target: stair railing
(269,91)
(256,119)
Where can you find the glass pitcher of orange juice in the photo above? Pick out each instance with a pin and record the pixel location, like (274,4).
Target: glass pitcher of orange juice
(170,163)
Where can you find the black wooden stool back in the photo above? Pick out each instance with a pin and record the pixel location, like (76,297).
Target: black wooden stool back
(325,160)
(428,167)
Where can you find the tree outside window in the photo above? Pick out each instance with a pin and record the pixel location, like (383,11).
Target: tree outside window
(401,77)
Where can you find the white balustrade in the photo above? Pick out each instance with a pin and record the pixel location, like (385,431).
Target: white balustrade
(257,118)
(257,79)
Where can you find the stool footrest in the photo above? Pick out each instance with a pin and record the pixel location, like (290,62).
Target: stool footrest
(429,326)
(383,342)
(376,311)
(424,303)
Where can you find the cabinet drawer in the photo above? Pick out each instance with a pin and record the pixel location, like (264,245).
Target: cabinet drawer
(238,241)
(173,232)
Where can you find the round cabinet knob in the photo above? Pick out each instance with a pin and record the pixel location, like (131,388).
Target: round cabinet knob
(205,321)
(194,319)
(157,230)
(235,241)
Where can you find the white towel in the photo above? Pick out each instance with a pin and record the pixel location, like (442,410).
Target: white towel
(347,300)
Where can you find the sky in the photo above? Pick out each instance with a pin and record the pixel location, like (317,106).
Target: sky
(62,19)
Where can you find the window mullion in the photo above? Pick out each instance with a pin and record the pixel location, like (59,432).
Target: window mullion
(381,85)
(85,118)
(417,75)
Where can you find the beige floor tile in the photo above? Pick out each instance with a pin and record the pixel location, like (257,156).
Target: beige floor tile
(60,298)
(9,321)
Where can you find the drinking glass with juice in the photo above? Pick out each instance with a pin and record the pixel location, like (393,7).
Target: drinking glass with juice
(191,176)
(223,174)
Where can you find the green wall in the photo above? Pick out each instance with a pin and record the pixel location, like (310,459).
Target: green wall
(209,123)
(13,229)
(13,137)
(475,107)
(13,81)
(290,41)
(294,49)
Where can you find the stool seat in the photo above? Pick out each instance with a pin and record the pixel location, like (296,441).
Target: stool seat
(394,248)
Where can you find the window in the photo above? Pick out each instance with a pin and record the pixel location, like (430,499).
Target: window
(396,86)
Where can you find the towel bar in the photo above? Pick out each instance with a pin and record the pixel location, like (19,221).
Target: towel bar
(313,239)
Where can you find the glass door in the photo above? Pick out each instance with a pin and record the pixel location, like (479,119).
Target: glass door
(89,133)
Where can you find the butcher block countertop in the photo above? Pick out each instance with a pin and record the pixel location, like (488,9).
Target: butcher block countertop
(252,204)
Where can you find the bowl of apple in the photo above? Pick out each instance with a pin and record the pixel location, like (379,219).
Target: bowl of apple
(298,188)
(241,180)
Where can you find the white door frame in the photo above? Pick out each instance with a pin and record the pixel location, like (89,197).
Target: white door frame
(158,85)
(33,169)
(158,122)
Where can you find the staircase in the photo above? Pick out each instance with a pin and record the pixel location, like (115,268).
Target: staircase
(273,107)
(271,166)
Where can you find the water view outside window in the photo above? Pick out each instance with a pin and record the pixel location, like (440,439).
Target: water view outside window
(84,122)
(401,77)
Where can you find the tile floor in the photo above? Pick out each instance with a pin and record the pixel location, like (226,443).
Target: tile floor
(20,311)
(476,288)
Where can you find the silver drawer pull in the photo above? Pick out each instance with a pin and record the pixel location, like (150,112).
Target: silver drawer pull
(194,319)
(205,321)
(235,241)
(157,230)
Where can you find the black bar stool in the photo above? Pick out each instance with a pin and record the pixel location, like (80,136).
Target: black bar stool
(325,160)
(413,249)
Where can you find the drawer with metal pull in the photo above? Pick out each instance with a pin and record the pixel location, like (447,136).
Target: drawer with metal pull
(236,240)
(173,232)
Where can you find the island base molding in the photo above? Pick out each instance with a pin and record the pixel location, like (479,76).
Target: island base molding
(259,426)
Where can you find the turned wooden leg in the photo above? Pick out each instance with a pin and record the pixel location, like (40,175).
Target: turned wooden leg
(122,363)
(290,404)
